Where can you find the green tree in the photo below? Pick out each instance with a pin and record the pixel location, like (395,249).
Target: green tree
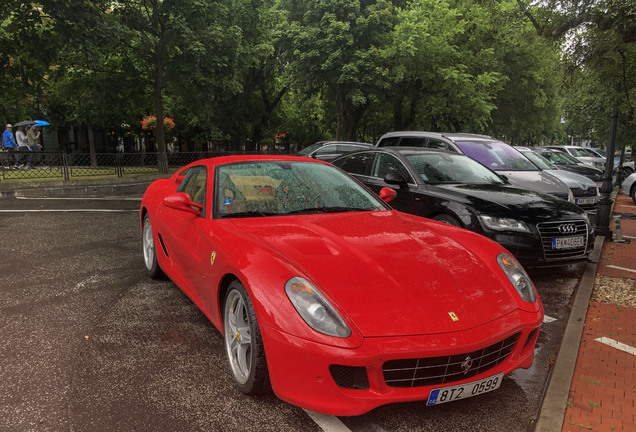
(336,54)
(598,38)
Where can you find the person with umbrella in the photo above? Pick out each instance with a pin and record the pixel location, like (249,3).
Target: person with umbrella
(10,145)
(34,142)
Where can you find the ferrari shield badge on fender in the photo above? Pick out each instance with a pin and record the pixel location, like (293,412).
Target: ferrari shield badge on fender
(453,316)
(212,258)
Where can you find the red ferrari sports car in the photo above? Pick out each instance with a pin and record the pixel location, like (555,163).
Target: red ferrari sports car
(328,296)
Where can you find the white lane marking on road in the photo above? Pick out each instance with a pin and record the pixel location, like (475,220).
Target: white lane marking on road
(622,268)
(82,199)
(83,283)
(327,423)
(548,319)
(618,345)
(68,211)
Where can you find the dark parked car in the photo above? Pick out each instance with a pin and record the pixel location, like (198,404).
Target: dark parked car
(569,163)
(494,154)
(585,191)
(539,229)
(329,150)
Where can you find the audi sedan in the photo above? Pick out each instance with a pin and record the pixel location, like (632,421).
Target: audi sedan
(330,298)
(539,229)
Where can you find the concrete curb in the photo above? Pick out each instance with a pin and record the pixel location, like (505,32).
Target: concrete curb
(555,401)
(84,187)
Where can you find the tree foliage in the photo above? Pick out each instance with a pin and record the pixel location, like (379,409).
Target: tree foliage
(235,73)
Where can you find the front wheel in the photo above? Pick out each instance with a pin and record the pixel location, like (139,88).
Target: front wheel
(150,252)
(448,219)
(243,342)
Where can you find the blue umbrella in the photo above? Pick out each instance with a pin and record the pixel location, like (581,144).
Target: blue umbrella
(41,123)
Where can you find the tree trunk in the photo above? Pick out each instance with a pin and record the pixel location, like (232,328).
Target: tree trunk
(162,160)
(339,123)
(91,143)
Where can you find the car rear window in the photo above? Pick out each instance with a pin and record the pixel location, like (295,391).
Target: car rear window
(497,156)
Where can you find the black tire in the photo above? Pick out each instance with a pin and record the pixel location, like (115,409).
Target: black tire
(243,342)
(448,219)
(149,250)
(626,172)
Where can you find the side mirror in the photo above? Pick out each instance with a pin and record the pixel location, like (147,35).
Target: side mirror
(387,194)
(182,201)
(395,179)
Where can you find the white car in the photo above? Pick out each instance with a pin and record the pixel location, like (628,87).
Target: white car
(581,153)
(628,165)
(629,186)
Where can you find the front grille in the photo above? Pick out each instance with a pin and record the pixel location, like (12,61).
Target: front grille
(420,372)
(589,192)
(563,229)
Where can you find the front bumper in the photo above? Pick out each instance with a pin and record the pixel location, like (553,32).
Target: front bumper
(533,251)
(300,370)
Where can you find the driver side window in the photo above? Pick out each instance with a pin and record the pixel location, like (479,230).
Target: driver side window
(194,184)
(385,164)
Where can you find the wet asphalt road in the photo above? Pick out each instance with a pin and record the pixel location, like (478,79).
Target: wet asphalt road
(88,342)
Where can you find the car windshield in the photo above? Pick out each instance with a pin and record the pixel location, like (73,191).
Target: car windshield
(599,152)
(581,152)
(539,160)
(451,168)
(497,156)
(309,149)
(276,188)
(560,158)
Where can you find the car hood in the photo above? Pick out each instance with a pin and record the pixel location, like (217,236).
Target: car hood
(511,202)
(539,181)
(582,169)
(391,273)
(573,180)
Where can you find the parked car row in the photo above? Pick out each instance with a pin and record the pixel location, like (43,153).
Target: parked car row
(289,255)
(540,229)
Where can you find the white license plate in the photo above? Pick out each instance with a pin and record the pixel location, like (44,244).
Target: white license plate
(568,242)
(463,391)
(584,201)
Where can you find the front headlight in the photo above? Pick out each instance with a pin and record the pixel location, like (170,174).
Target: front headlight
(315,309)
(503,224)
(571,196)
(517,277)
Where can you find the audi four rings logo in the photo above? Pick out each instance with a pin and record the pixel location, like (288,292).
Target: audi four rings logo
(567,228)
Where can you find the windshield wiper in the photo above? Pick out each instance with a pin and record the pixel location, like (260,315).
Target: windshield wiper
(252,213)
(327,210)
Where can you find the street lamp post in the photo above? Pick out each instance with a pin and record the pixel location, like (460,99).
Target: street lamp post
(605,203)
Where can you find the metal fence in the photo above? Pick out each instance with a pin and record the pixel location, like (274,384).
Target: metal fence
(69,166)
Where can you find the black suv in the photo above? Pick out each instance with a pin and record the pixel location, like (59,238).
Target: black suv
(329,150)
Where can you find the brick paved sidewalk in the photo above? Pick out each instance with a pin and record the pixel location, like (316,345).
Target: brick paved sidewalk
(604,382)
